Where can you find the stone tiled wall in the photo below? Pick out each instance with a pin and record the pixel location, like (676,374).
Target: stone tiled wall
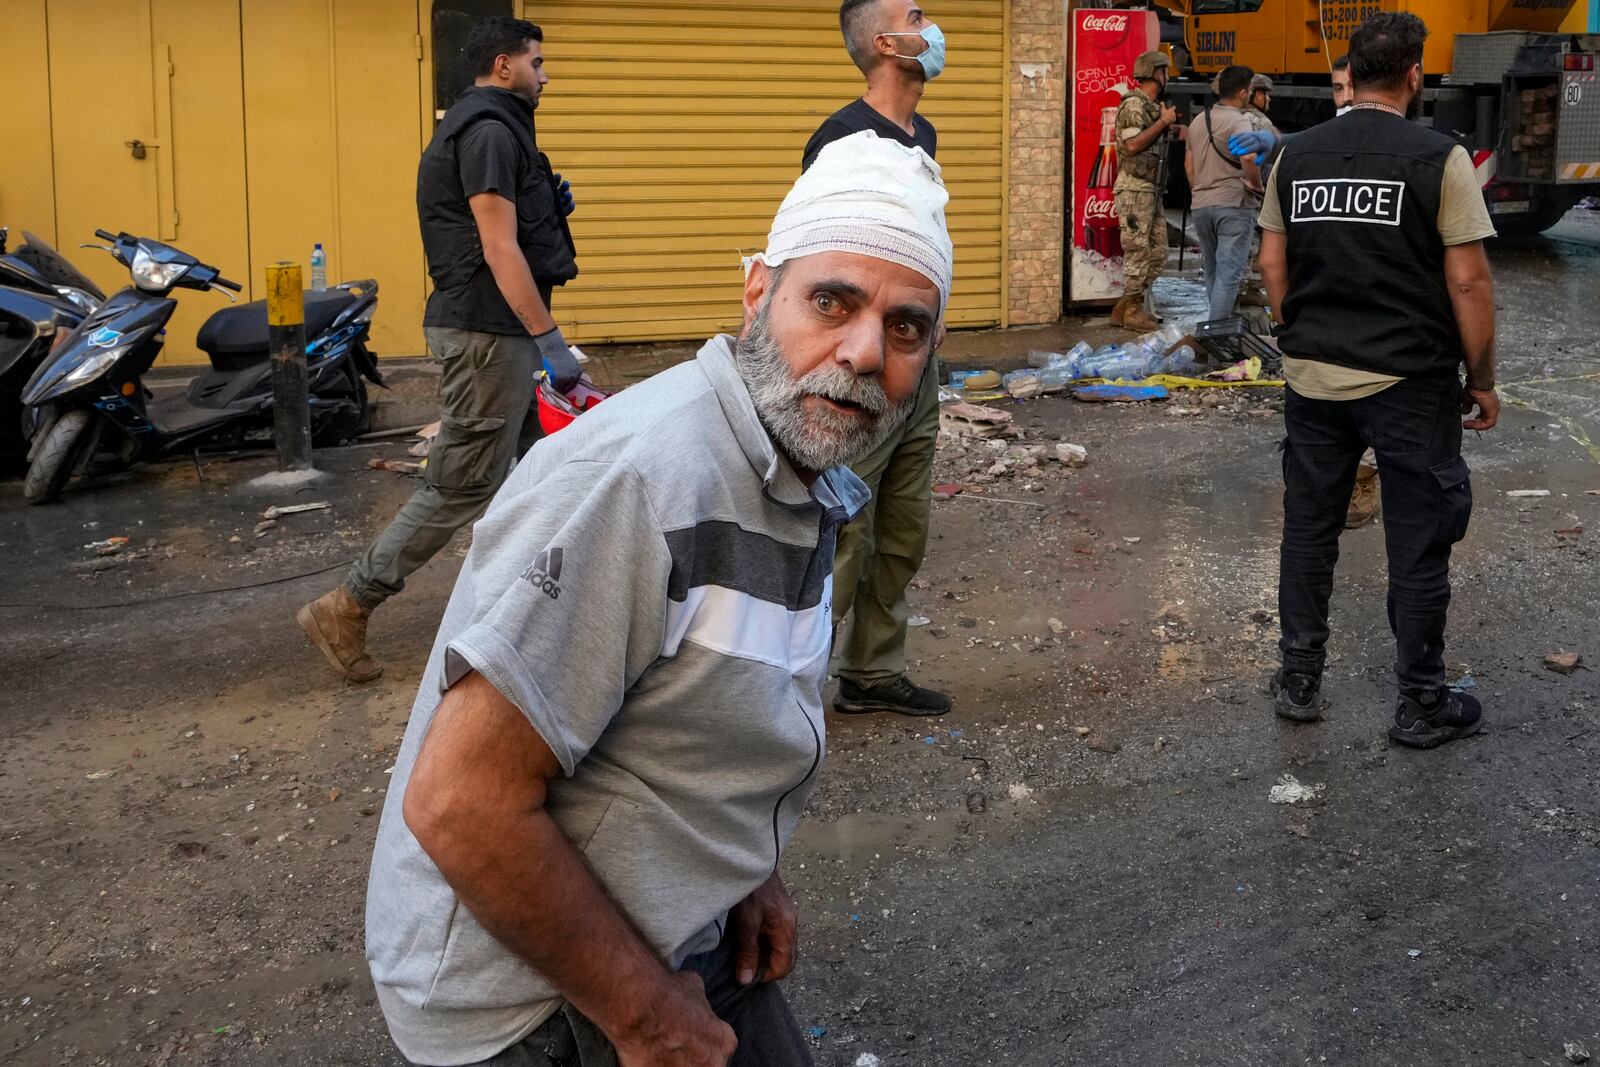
(1038,129)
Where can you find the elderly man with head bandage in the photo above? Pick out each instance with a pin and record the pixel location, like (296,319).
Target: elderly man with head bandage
(622,717)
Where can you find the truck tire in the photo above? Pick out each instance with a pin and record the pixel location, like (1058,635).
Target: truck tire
(62,451)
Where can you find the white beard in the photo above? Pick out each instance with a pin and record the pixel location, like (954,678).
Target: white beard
(823,438)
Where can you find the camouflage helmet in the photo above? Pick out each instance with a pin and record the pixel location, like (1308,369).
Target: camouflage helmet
(1145,67)
(1260,83)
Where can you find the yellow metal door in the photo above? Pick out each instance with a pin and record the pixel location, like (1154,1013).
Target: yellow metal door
(200,176)
(96,108)
(333,129)
(27,188)
(681,132)
(174,89)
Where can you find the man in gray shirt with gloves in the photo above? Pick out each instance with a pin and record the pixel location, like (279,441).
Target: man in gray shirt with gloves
(621,720)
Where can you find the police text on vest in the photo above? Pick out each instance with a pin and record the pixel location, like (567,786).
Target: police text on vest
(1348,200)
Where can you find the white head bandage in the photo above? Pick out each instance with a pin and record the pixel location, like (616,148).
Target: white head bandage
(871,196)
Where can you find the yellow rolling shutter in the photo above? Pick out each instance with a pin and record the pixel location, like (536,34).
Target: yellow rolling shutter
(680,126)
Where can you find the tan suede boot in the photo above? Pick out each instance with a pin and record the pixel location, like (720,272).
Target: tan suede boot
(1118,311)
(1138,320)
(338,625)
(1364,502)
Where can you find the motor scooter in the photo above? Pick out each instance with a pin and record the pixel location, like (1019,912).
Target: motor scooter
(91,411)
(42,297)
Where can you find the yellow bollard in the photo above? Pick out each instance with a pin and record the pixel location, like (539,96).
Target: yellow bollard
(286,336)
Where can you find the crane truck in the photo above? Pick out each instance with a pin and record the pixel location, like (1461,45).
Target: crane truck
(1502,78)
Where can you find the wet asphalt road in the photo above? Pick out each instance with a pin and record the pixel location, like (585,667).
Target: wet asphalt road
(1129,895)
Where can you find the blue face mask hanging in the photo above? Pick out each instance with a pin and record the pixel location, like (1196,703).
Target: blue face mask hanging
(932,57)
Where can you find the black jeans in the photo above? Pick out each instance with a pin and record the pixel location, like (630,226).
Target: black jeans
(1415,428)
(761,1020)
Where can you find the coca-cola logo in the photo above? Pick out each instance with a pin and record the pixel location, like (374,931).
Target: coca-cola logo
(1099,208)
(1115,23)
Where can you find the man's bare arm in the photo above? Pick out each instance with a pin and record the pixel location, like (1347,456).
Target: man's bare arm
(497,229)
(1466,271)
(475,802)
(1275,269)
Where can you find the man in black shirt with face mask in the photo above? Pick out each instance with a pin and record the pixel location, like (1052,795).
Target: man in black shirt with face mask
(899,51)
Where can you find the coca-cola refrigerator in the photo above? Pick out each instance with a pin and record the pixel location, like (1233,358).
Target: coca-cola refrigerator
(1102,45)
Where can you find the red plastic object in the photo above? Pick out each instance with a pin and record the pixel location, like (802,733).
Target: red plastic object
(556,411)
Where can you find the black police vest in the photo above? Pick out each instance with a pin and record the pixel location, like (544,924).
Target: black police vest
(465,295)
(1360,198)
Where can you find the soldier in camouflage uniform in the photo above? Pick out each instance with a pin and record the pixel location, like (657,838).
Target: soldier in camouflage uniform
(1256,106)
(1141,127)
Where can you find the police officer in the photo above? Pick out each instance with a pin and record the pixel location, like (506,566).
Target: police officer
(495,232)
(1372,248)
(1142,124)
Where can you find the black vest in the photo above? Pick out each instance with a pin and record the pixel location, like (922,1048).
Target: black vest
(465,295)
(1360,198)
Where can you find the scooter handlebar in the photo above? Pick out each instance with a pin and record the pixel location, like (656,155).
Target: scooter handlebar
(104,236)
(226,284)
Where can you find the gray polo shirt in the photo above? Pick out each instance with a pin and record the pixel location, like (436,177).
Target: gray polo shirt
(652,588)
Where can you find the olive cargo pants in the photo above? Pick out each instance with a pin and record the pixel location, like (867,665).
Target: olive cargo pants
(486,385)
(879,553)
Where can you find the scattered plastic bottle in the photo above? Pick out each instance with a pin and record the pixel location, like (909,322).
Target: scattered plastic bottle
(319,269)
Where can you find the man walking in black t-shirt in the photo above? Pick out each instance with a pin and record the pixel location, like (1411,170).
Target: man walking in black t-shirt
(898,50)
(1375,196)
(495,232)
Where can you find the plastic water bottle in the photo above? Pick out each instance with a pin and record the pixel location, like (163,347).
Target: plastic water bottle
(319,269)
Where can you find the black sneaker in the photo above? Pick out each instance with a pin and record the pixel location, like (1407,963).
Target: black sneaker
(1428,720)
(1297,696)
(900,696)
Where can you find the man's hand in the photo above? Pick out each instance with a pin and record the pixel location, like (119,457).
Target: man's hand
(564,196)
(1258,143)
(1169,114)
(559,362)
(1487,404)
(767,914)
(680,1030)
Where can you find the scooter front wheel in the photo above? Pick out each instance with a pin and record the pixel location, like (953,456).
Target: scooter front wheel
(60,454)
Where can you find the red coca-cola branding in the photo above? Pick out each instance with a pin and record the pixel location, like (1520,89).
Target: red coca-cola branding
(1099,207)
(1117,23)
(1105,45)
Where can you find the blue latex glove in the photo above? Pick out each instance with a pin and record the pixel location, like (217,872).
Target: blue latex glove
(564,196)
(1258,143)
(559,362)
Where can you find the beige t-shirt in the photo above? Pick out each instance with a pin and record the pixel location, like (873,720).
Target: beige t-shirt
(1216,184)
(1463,218)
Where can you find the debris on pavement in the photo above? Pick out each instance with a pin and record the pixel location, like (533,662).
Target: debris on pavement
(96,776)
(264,525)
(1563,662)
(1289,790)
(1119,394)
(867,1059)
(427,433)
(1056,626)
(1415,953)
(1575,1052)
(975,420)
(1525,494)
(398,466)
(109,547)
(1071,455)
(279,510)
(980,381)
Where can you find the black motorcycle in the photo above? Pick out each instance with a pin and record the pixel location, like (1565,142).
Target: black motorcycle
(42,297)
(91,410)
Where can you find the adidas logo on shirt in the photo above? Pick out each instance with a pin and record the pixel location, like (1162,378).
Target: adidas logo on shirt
(545,573)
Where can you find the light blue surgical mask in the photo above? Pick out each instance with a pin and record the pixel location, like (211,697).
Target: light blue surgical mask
(932,57)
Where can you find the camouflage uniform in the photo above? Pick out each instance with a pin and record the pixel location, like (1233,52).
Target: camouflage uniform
(1144,227)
